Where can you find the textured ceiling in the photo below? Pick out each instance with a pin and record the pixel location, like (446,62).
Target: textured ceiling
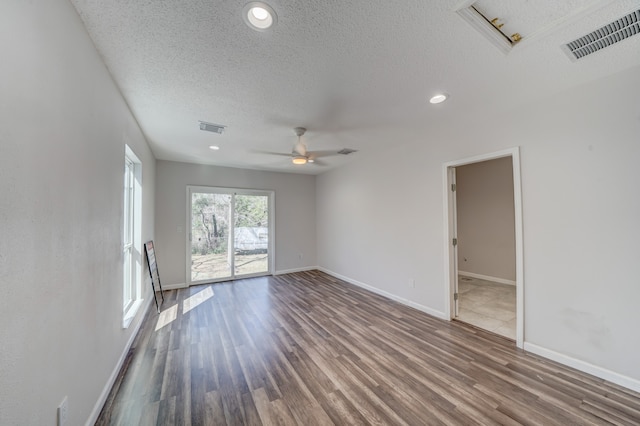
(356,73)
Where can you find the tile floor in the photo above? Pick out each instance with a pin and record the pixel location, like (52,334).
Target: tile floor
(487,305)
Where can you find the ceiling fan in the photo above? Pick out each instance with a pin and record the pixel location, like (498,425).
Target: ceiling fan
(300,155)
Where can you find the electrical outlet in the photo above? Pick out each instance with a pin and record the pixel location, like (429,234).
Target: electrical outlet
(63,412)
(413,283)
(300,256)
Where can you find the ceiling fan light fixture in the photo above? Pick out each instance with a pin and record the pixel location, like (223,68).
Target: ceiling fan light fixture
(299,159)
(259,16)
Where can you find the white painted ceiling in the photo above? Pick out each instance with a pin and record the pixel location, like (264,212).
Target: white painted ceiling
(356,73)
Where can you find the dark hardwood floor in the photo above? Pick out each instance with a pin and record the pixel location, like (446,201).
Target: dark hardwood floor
(309,349)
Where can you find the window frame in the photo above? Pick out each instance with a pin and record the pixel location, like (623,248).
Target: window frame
(131,237)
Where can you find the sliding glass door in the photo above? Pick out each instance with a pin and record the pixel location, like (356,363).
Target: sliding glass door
(230,234)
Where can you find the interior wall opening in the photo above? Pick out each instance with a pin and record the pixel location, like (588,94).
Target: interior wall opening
(485,223)
(484,266)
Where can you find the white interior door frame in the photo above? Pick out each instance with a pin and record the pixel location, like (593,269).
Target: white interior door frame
(448,173)
(454,234)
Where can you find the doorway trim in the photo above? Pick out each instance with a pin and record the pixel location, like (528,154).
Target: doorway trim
(450,270)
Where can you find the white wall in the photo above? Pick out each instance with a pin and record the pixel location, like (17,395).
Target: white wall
(486,221)
(63,125)
(294,205)
(579,155)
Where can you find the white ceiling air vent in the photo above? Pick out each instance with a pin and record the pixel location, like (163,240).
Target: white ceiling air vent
(612,33)
(210,127)
(347,151)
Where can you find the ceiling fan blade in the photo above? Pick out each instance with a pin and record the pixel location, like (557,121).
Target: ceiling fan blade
(280,154)
(322,154)
(319,163)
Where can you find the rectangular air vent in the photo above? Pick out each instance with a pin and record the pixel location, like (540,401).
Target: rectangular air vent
(604,37)
(346,151)
(210,127)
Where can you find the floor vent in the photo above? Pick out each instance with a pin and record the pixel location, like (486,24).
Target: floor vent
(612,33)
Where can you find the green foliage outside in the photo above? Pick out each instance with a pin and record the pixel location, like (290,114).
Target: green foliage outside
(211,219)
(251,211)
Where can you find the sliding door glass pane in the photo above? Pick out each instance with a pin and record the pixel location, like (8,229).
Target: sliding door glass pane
(251,234)
(211,249)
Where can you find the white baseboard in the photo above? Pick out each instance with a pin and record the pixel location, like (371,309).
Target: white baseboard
(291,271)
(594,370)
(97,408)
(174,286)
(386,294)
(486,277)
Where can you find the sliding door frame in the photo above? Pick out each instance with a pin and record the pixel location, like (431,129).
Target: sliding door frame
(191,189)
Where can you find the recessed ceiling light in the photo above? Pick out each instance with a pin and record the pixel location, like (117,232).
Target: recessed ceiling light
(259,13)
(214,147)
(259,16)
(436,99)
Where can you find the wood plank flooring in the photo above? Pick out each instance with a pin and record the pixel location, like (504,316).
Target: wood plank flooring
(308,349)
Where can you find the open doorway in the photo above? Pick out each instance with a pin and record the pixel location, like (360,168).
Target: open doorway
(484,243)
(486,246)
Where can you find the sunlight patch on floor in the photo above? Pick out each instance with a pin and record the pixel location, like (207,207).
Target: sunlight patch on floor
(167,316)
(193,301)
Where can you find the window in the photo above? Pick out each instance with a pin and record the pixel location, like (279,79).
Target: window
(132,237)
